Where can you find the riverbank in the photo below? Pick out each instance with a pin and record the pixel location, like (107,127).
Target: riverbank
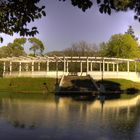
(128,88)
(27,85)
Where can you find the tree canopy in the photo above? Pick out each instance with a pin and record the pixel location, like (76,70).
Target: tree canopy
(36,45)
(107,6)
(81,48)
(130,31)
(13,49)
(120,45)
(15,14)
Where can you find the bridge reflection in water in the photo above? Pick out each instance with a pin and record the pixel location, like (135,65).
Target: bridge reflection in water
(66,118)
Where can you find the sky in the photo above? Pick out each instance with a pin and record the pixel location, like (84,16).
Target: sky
(65,25)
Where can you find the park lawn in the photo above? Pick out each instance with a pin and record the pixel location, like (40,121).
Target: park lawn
(27,85)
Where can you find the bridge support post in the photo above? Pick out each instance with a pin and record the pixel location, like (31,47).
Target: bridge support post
(127,66)
(56,72)
(103,68)
(113,67)
(87,65)
(64,65)
(91,66)
(103,65)
(4,69)
(81,67)
(32,66)
(19,67)
(27,67)
(38,66)
(135,66)
(47,65)
(10,67)
(67,67)
(117,69)
(107,66)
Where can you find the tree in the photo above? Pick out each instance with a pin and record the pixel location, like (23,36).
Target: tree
(37,45)
(130,31)
(15,14)
(55,53)
(107,6)
(20,41)
(13,49)
(81,49)
(120,45)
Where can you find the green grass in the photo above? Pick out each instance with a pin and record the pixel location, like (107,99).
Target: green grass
(31,86)
(128,96)
(29,96)
(130,89)
(27,85)
(123,84)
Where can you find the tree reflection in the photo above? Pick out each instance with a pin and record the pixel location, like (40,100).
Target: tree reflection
(18,124)
(123,121)
(112,119)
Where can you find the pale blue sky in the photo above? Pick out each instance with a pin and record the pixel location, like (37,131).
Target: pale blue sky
(65,24)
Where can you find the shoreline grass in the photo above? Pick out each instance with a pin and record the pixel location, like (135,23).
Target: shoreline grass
(129,88)
(47,85)
(27,85)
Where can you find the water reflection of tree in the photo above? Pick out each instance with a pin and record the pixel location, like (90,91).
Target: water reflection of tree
(126,122)
(66,113)
(22,125)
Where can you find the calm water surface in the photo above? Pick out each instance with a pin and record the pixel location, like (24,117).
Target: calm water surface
(65,118)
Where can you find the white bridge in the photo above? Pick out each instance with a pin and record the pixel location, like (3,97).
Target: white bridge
(58,66)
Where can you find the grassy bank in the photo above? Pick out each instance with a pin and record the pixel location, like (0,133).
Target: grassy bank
(129,88)
(47,85)
(27,85)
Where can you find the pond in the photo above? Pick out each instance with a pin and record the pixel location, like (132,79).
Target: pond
(58,118)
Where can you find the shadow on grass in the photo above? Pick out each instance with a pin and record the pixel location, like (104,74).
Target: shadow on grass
(132,90)
(80,85)
(81,88)
(113,89)
(84,84)
(84,87)
(110,85)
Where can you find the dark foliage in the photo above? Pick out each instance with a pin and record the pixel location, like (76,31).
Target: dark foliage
(15,14)
(106,6)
